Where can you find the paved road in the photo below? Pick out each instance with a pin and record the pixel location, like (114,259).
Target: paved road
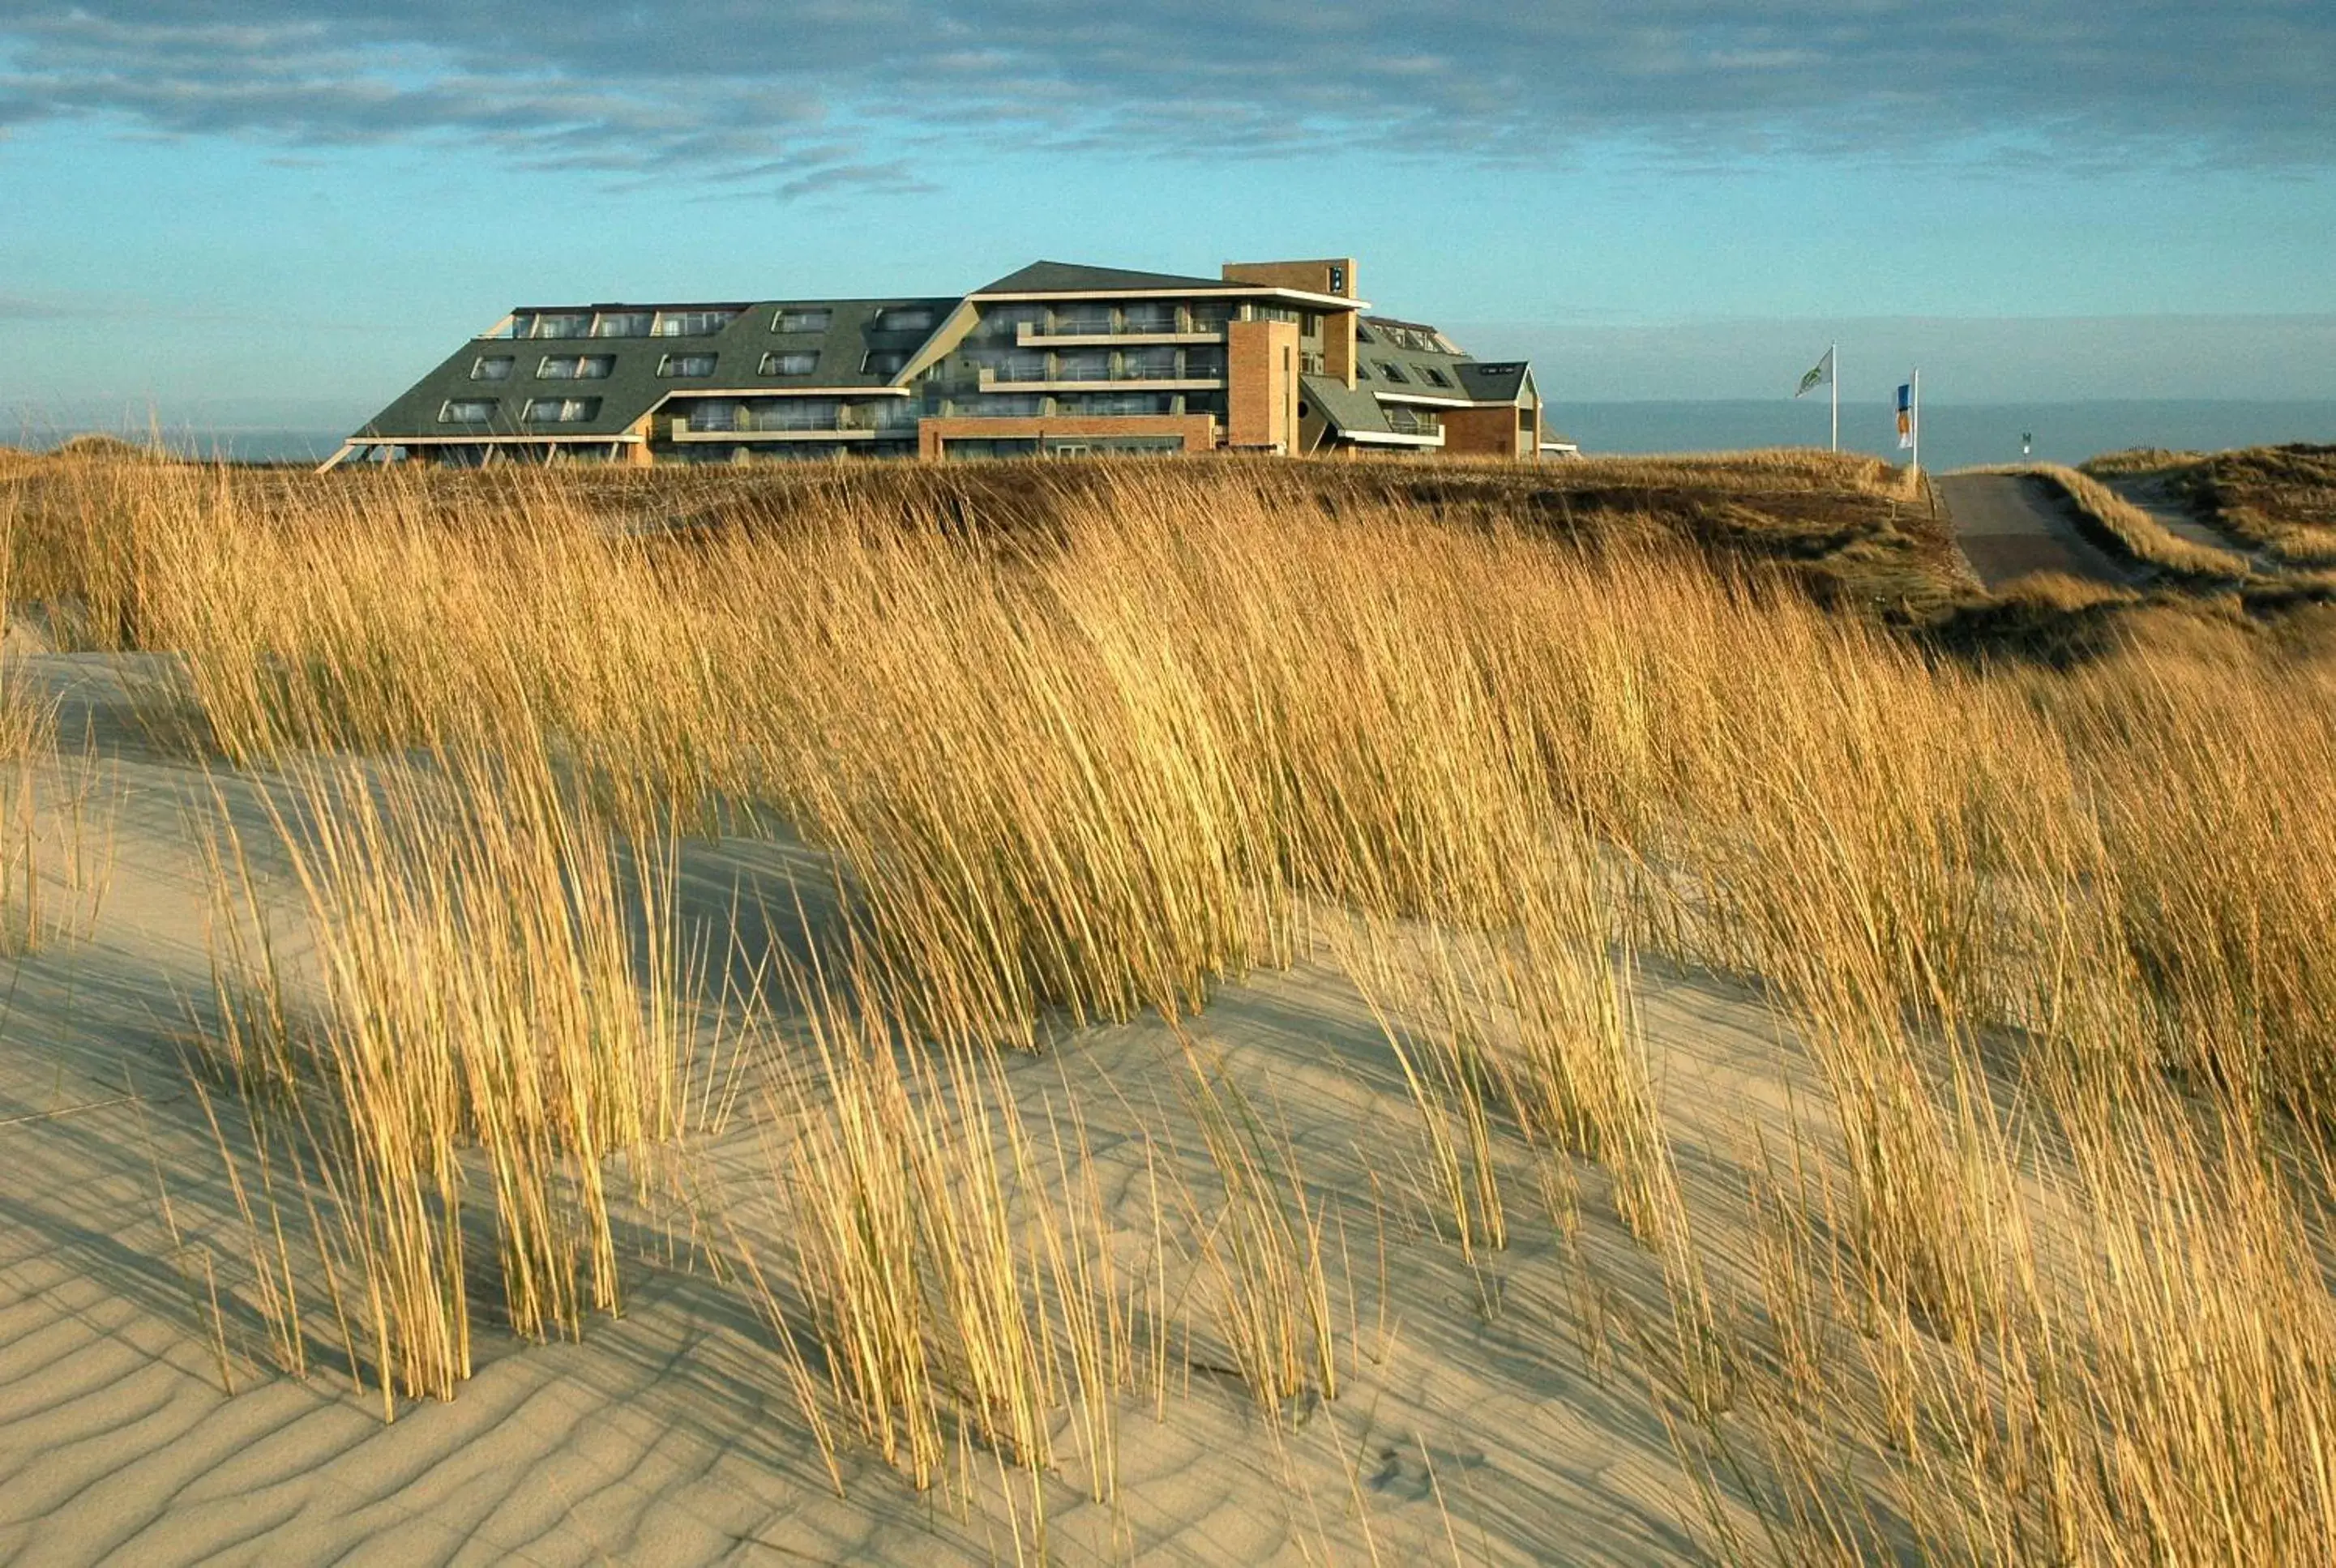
(2010,527)
(2153,494)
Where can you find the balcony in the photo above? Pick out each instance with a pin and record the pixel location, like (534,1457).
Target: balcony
(1405,422)
(1029,335)
(1119,380)
(844,425)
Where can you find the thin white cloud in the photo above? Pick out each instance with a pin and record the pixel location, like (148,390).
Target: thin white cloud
(763,85)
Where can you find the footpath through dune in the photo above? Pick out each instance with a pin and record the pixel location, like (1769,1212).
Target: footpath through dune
(2008,528)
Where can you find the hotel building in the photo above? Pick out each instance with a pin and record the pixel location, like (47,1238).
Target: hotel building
(1275,357)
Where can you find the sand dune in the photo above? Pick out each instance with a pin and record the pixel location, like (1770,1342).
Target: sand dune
(1478,1419)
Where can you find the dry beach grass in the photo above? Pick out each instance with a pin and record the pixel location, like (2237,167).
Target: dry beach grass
(1748,1084)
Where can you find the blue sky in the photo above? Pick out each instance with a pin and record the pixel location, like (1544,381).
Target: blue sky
(275,214)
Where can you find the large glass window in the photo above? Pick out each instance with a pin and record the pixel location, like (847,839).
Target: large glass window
(1019,407)
(1122,403)
(1199,363)
(1149,316)
(1083,321)
(1083,364)
(1158,363)
(467,411)
(805,318)
(621,324)
(554,324)
(796,414)
(904,318)
(492,367)
(1210,315)
(575,366)
(691,322)
(794,361)
(1006,321)
(562,410)
(687,366)
(1022,367)
(720,416)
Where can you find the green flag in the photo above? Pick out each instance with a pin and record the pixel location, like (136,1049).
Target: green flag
(1819,374)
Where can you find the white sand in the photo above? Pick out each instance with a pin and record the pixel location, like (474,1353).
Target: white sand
(669,1435)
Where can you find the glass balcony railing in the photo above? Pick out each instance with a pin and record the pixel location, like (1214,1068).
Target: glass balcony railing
(732,420)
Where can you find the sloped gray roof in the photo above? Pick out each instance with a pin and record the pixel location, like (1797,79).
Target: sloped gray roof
(633,386)
(1493,382)
(1350,409)
(1071,278)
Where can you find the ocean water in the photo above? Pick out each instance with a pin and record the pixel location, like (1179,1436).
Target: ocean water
(1954,435)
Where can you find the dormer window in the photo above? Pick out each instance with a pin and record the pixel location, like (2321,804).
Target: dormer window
(796,363)
(467,411)
(691,322)
(904,318)
(562,410)
(814,319)
(492,367)
(576,367)
(685,366)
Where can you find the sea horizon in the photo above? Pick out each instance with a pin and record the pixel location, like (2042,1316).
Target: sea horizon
(1954,434)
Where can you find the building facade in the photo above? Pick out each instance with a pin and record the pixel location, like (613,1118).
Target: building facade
(1277,357)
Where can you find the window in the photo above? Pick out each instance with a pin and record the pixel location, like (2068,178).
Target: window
(621,324)
(1149,316)
(1022,367)
(1210,315)
(492,367)
(1006,321)
(1083,364)
(691,322)
(1388,372)
(467,411)
(1273,313)
(554,324)
(795,362)
(1123,403)
(562,410)
(1148,364)
(1083,321)
(1338,280)
(798,414)
(804,319)
(1363,334)
(1008,408)
(1362,371)
(884,361)
(714,417)
(1200,364)
(690,366)
(1434,377)
(904,318)
(891,414)
(576,367)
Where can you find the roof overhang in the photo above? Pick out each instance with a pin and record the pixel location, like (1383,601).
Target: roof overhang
(1391,438)
(487,438)
(1198,291)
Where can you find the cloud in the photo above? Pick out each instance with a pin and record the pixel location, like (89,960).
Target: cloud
(17,307)
(820,95)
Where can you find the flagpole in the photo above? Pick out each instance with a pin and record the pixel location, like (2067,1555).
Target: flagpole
(1832,357)
(1916,416)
